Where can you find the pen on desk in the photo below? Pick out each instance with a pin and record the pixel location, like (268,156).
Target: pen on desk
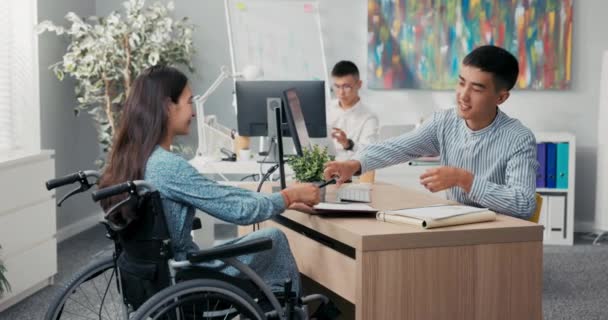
(326,183)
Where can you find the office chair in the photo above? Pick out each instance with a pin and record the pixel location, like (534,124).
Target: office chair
(539,203)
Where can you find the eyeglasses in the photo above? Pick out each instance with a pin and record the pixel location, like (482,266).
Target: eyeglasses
(345,87)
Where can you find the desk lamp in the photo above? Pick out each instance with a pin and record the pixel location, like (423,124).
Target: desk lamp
(250,72)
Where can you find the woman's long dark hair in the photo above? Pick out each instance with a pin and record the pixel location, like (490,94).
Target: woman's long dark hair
(142,127)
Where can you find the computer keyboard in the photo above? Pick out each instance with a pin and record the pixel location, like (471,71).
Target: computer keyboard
(354,194)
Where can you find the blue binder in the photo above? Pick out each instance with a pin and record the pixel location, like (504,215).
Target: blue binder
(541,157)
(562,166)
(551,165)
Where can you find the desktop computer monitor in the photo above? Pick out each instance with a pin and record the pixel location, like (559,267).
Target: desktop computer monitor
(295,121)
(254,99)
(292,112)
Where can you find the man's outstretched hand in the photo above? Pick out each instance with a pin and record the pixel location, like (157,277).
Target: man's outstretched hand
(340,136)
(341,170)
(441,178)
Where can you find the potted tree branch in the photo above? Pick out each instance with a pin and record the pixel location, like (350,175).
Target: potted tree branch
(105,54)
(4,285)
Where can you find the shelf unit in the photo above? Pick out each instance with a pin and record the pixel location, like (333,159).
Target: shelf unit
(27,226)
(557,211)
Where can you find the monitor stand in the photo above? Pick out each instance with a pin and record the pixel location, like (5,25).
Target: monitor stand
(271,155)
(270,144)
(280,154)
(275,153)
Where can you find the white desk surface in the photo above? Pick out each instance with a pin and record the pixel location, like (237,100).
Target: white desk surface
(206,166)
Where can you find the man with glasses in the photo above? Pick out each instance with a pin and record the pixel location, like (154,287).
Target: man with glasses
(352,125)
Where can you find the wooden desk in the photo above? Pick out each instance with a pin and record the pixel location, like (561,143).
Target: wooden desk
(490,270)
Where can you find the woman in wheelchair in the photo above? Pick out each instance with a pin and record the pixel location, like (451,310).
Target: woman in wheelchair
(159,108)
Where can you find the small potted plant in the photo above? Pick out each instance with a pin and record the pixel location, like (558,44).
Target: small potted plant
(309,167)
(4,285)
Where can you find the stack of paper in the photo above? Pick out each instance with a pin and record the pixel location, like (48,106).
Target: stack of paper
(342,208)
(437,216)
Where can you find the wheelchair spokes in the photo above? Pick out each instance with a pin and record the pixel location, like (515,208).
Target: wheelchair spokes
(92,295)
(203,306)
(200,299)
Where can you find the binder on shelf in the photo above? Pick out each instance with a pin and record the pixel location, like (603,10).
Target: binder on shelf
(551,165)
(562,166)
(541,157)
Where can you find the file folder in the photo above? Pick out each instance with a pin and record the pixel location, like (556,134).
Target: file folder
(551,165)
(541,157)
(562,166)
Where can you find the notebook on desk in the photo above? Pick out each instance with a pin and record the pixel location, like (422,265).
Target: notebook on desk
(437,216)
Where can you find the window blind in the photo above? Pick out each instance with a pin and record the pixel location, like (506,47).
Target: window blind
(7,119)
(19,97)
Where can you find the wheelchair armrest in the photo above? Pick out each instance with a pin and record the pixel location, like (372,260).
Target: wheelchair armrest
(196,223)
(230,250)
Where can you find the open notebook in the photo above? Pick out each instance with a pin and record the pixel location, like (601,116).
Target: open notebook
(437,216)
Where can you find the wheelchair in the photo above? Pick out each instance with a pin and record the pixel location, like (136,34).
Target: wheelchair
(142,281)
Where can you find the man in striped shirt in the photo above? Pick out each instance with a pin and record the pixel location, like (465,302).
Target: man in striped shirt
(487,158)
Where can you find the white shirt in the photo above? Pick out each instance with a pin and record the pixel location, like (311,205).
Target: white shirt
(359,124)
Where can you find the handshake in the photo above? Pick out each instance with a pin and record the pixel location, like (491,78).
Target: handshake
(304,195)
(434,179)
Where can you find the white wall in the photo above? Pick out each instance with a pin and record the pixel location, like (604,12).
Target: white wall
(211,42)
(345,33)
(72,138)
(574,110)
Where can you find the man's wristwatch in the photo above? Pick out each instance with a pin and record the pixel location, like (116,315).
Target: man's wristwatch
(350,146)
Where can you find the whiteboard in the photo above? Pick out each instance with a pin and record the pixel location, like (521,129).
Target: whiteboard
(281,37)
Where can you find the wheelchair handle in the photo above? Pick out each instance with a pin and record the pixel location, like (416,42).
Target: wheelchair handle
(71,178)
(138,187)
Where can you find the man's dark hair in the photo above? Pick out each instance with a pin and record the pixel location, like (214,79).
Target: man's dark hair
(497,61)
(345,68)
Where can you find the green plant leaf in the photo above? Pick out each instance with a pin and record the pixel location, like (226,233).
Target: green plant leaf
(309,167)
(5,286)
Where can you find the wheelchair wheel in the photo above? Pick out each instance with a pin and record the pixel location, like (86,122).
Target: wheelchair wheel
(200,299)
(91,294)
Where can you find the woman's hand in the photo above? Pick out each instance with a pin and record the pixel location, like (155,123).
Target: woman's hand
(302,208)
(306,193)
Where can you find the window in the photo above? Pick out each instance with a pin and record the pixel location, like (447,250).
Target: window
(19,96)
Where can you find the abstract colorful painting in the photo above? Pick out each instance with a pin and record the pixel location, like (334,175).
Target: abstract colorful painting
(421,43)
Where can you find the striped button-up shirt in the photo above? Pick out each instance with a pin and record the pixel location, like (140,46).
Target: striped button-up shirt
(501,156)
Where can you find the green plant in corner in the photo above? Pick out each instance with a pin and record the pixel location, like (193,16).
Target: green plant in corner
(105,54)
(309,167)
(4,285)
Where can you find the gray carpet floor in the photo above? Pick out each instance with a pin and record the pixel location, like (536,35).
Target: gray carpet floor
(575,278)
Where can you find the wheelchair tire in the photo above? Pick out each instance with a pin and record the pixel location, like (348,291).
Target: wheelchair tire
(91,294)
(228,301)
